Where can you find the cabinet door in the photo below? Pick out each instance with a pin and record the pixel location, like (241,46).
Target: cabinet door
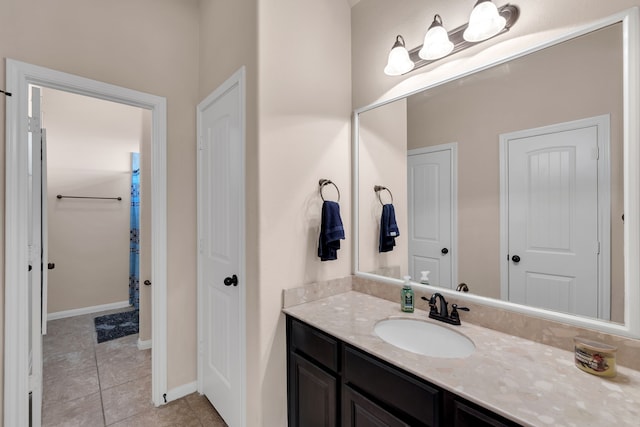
(313,395)
(358,411)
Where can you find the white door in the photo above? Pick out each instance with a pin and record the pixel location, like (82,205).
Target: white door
(431,224)
(221,234)
(553,243)
(37,254)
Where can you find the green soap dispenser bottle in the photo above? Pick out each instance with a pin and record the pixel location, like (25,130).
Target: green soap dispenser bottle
(406,298)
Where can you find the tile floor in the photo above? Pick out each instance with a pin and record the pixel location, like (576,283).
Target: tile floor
(86,384)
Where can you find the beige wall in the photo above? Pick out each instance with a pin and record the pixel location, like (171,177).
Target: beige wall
(89,146)
(305,109)
(147,45)
(577,79)
(382,160)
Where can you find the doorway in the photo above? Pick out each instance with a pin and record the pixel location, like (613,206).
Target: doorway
(22,324)
(91,221)
(555,210)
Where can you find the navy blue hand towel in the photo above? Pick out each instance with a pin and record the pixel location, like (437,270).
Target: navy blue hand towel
(388,229)
(331,231)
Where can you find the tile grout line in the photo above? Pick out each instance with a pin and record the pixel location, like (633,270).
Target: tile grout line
(95,359)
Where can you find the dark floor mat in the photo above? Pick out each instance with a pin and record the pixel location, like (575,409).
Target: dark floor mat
(116,325)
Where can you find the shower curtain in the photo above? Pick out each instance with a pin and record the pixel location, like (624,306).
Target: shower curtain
(134,235)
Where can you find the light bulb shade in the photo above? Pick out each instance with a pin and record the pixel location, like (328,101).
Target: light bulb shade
(399,61)
(436,42)
(484,22)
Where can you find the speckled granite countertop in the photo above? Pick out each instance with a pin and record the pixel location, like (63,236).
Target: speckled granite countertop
(530,383)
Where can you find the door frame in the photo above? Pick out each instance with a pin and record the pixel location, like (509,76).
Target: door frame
(19,76)
(453,148)
(237,79)
(602,123)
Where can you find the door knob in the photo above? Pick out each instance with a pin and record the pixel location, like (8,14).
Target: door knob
(444,251)
(233,280)
(147,283)
(515,258)
(51,266)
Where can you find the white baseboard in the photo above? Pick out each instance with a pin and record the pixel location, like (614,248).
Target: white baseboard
(87,310)
(144,345)
(181,391)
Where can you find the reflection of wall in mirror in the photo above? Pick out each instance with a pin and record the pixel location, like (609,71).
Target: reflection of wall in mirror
(382,159)
(474,111)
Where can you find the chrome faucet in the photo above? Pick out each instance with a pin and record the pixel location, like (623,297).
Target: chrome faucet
(442,313)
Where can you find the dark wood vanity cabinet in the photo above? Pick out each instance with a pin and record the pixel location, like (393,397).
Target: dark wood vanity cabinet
(331,383)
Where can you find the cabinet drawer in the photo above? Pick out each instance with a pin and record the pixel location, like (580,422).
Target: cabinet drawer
(314,344)
(461,413)
(392,387)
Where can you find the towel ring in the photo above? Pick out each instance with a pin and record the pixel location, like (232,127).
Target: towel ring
(322,183)
(378,189)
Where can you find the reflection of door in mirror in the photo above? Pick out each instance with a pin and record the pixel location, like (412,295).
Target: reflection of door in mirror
(431,184)
(552,226)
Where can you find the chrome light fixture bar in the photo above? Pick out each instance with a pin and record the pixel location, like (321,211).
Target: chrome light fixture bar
(510,13)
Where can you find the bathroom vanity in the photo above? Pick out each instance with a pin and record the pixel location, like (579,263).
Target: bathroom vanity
(340,373)
(332,383)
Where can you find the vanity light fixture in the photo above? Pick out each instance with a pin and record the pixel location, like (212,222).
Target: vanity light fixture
(399,61)
(438,43)
(484,22)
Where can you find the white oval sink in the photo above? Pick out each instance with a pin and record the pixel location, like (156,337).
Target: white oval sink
(424,338)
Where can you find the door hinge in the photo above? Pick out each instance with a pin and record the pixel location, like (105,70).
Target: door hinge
(200,144)
(598,248)
(200,245)
(33,124)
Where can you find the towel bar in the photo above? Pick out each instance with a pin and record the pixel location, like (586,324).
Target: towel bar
(59,196)
(322,183)
(378,189)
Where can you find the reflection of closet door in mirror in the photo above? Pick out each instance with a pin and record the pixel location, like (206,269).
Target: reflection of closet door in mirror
(431,222)
(553,239)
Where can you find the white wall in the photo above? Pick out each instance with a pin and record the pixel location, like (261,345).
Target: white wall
(89,146)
